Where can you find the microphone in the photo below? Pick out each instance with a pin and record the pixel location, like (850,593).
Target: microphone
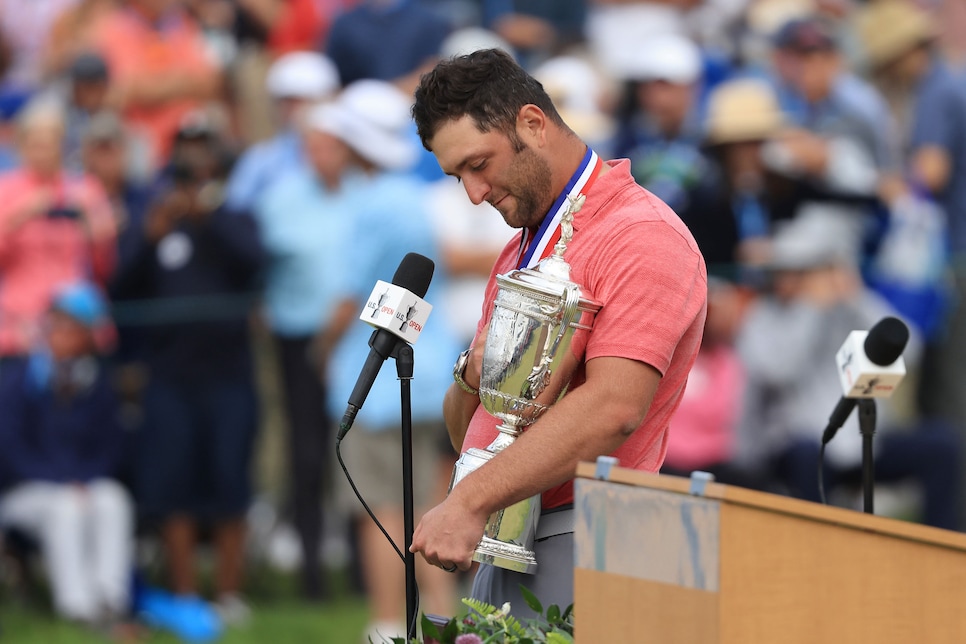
(870,365)
(388,305)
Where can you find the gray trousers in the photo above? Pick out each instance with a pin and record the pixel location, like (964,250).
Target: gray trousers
(553,582)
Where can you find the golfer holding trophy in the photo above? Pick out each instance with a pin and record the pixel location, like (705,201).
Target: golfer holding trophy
(591,321)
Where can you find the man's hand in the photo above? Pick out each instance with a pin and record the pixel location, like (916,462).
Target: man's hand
(448,534)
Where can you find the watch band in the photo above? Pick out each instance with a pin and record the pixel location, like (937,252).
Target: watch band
(458,369)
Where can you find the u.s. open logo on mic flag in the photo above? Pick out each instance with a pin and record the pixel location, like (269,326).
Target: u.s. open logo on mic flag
(396,310)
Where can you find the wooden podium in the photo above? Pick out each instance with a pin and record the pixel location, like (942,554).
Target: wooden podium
(668,560)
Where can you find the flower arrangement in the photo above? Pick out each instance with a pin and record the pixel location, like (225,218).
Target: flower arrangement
(487,624)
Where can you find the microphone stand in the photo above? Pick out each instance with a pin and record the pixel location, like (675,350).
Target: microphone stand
(867,429)
(403,352)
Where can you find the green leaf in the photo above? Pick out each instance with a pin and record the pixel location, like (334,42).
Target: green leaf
(514,627)
(559,638)
(568,613)
(429,628)
(531,600)
(553,614)
(480,607)
(450,631)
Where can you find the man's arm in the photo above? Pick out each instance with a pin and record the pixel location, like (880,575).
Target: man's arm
(593,419)
(458,405)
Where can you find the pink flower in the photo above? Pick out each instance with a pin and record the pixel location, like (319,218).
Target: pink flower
(468,638)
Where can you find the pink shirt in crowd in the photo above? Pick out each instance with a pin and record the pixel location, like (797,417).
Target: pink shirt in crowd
(43,254)
(703,428)
(632,253)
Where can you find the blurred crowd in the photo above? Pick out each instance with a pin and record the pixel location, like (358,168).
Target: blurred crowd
(197,196)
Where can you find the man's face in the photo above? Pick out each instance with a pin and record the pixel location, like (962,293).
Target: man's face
(667,103)
(66,337)
(328,155)
(811,72)
(516,180)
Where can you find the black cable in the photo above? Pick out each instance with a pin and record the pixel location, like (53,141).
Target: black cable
(821,473)
(338,453)
(345,470)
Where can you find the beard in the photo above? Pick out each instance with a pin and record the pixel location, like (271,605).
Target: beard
(530,186)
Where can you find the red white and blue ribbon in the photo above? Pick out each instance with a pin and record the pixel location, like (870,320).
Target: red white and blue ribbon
(536,246)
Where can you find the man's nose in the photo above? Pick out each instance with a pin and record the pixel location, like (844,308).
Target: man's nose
(476,190)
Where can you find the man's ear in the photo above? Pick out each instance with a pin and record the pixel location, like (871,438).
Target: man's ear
(532,125)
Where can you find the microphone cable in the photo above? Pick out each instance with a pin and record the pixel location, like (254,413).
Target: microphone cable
(372,515)
(821,474)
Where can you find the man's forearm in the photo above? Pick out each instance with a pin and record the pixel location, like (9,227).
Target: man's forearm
(458,409)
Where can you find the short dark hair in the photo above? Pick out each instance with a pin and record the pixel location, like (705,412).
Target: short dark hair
(487,85)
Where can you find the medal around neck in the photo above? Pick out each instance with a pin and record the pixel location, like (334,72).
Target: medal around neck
(536,338)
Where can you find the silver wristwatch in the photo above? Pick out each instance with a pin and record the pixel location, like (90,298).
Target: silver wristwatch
(458,369)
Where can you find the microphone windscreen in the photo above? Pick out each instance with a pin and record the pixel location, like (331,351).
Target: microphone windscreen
(414,274)
(886,341)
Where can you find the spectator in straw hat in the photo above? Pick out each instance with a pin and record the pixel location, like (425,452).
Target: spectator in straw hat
(731,213)
(769,171)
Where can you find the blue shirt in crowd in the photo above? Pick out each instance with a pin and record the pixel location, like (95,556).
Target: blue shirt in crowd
(260,166)
(390,220)
(939,119)
(303,226)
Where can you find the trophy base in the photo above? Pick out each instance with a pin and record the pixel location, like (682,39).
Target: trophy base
(505,529)
(505,555)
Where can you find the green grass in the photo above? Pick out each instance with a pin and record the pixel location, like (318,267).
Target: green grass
(290,622)
(278,617)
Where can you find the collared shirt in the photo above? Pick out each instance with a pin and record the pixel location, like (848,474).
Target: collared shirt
(260,166)
(303,227)
(634,255)
(391,218)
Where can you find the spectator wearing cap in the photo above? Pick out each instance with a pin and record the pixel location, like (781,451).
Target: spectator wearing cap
(367,160)
(55,228)
(927,99)
(193,269)
(818,92)
(160,69)
(86,94)
(659,130)
(62,448)
(110,154)
(787,345)
(394,40)
(536,29)
(294,81)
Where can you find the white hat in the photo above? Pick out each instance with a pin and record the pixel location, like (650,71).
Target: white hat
(373,118)
(668,57)
(302,74)
(469,39)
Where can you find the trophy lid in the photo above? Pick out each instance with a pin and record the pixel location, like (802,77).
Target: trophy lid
(548,279)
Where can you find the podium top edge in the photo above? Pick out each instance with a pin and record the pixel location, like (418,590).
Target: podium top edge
(738,496)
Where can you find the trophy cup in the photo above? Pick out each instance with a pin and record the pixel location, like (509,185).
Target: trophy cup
(528,359)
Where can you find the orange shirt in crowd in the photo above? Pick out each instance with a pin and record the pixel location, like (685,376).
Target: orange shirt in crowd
(165,54)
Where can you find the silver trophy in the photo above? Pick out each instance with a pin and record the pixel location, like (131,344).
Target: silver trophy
(528,360)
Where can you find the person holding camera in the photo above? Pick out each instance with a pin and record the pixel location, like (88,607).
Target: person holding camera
(55,228)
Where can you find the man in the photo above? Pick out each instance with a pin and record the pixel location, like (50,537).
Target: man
(61,452)
(159,69)
(493,127)
(295,81)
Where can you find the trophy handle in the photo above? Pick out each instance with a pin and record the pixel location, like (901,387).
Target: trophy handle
(539,377)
